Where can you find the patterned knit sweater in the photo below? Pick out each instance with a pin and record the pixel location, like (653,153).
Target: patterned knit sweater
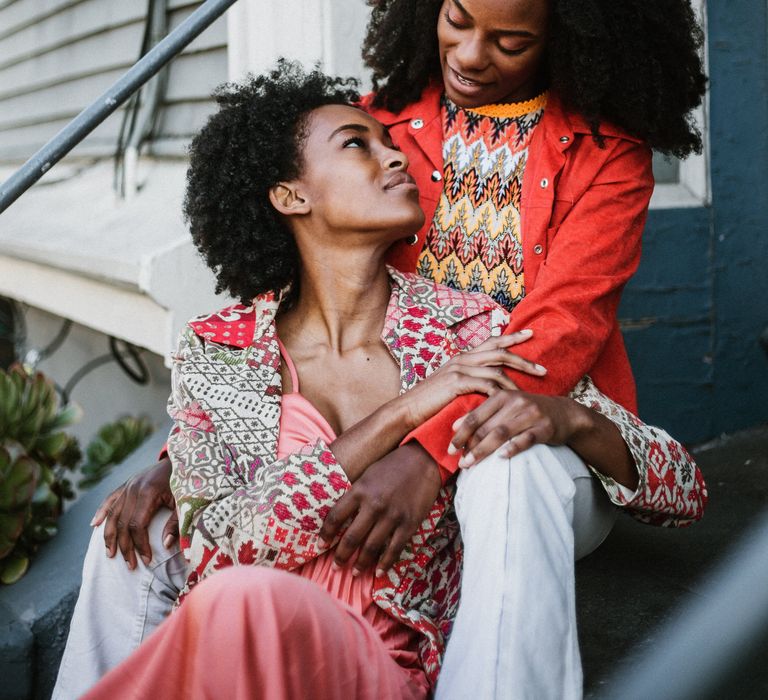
(475,240)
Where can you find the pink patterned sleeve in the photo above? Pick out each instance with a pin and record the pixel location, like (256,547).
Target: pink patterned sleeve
(671,491)
(239,509)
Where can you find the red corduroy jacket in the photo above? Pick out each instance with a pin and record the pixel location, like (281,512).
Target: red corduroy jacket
(583,211)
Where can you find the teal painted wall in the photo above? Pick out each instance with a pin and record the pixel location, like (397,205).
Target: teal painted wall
(693,314)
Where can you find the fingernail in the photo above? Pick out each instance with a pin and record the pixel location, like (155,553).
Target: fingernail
(93,521)
(452,450)
(526,331)
(356,572)
(130,564)
(110,554)
(379,573)
(467,460)
(541,369)
(168,541)
(335,566)
(147,560)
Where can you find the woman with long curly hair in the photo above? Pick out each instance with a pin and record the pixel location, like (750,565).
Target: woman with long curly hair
(529,126)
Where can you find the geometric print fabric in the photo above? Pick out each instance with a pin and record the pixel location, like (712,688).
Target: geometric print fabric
(475,241)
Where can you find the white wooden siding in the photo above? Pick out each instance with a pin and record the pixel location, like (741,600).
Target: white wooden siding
(56,56)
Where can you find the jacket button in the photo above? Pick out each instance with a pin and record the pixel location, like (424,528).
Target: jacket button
(564,139)
(538,249)
(417,123)
(544,183)
(436,176)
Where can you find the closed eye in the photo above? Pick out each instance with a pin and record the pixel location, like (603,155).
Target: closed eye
(453,22)
(512,52)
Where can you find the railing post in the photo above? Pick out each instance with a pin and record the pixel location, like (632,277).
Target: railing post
(85,122)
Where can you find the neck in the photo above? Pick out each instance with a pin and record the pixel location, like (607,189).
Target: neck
(342,302)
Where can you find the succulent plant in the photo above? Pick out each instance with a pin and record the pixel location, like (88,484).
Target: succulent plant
(113,443)
(36,455)
(32,481)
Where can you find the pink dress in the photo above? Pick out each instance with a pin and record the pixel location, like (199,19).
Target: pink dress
(262,633)
(302,423)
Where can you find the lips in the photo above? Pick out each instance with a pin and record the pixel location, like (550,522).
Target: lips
(399,179)
(465,88)
(467,82)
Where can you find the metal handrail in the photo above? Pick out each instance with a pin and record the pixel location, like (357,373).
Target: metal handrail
(85,122)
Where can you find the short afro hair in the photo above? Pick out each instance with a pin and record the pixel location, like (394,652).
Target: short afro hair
(251,144)
(634,63)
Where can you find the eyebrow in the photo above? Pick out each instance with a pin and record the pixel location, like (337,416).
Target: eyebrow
(359,128)
(500,32)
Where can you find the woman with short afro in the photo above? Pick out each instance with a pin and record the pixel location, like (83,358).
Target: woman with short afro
(284,405)
(529,126)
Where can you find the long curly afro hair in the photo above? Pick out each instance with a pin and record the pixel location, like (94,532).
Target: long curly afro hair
(252,143)
(634,63)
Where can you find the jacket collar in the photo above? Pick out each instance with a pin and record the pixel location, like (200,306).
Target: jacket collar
(563,122)
(557,120)
(419,325)
(241,326)
(426,108)
(235,376)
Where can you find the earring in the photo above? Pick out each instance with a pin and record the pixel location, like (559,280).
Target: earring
(412,240)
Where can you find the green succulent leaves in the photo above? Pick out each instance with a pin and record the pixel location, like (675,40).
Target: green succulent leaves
(113,443)
(31,442)
(36,453)
(13,568)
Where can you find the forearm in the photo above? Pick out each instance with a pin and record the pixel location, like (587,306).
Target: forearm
(372,438)
(600,444)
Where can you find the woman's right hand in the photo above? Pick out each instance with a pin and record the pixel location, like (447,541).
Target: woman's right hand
(129,509)
(477,371)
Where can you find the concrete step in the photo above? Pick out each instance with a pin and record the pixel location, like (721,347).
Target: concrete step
(630,585)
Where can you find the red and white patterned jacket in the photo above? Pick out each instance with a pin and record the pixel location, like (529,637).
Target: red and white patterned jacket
(240,505)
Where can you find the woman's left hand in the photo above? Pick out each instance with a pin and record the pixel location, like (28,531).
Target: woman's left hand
(385,506)
(515,420)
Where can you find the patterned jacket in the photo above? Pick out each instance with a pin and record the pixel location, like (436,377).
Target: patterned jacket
(239,504)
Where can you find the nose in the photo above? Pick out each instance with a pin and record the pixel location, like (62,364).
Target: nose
(470,55)
(395,160)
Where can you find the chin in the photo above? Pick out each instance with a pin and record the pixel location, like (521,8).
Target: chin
(417,222)
(412,221)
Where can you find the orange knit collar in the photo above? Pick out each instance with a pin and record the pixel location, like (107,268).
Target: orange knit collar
(510,110)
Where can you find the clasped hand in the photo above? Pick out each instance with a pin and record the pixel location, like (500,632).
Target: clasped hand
(385,505)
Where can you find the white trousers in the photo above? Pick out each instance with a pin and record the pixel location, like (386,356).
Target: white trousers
(523,520)
(117,609)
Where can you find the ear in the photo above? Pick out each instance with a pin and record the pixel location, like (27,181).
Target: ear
(288,200)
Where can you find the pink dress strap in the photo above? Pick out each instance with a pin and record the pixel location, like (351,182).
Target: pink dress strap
(291,367)
(300,422)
